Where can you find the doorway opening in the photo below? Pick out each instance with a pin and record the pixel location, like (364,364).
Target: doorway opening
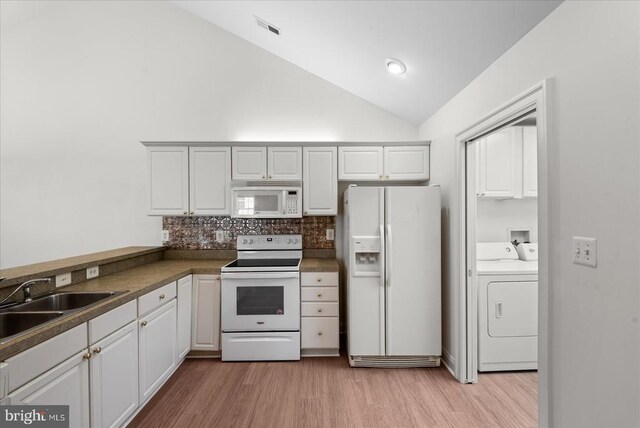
(503,243)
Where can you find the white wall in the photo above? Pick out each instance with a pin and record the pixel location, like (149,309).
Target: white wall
(495,216)
(83,82)
(591,51)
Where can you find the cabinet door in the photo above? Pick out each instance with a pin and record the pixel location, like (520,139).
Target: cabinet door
(284,163)
(249,163)
(210,180)
(406,163)
(114,377)
(168,180)
(320,182)
(157,350)
(498,161)
(360,163)
(205,327)
(185,297)
(65,384)
(530,162)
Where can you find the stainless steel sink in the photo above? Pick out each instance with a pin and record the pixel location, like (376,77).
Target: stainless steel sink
(23,317)
(14,323)
(62,301)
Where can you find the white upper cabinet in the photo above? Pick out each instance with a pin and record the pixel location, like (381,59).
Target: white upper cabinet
(249,163)
(406,163)
(507,164)
(267,163)
(284,163)
(529,162)
(360,163)
(498,158)
(320,181)
(168,180)
(209,180)
(189,180)
(409,163)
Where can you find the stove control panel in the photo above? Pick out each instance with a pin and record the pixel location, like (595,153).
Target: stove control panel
(269,242)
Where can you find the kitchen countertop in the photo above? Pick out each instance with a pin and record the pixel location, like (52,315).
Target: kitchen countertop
(136,282)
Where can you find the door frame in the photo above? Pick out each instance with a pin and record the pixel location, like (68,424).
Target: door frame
(535,99)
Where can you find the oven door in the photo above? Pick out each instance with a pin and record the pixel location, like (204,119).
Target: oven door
(260,301)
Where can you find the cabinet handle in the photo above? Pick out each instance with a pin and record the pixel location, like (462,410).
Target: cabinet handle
(184,212)
(192,212)
(97,350)
(87,356)
(319,310)
(143,323)
(263,177)
(319,333)
(319,294)
(387,177)
(162,296)
(319,279)
(380,176)
(269,177)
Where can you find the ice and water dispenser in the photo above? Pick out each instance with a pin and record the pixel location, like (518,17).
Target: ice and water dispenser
(367,257)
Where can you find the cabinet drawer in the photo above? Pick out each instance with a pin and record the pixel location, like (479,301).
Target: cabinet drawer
(156,298)
(310,309)
(33,362)
(319,332)
(319,279)
(319,294)
(106,324)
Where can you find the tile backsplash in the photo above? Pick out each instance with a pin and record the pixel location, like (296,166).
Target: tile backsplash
(199,233)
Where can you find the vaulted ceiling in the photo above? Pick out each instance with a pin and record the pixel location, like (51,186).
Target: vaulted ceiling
(444,44)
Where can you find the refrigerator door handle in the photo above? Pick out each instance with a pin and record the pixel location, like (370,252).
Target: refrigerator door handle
(388,289)
(383,279)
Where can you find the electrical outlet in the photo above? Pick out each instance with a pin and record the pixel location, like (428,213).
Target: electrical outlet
(585,251)
(330,234)
(93,272)
(164,235)
(220,236)
(63,279)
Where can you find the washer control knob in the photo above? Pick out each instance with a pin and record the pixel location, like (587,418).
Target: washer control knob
(289,241)
(244,241)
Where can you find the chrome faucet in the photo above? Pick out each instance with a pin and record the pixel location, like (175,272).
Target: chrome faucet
(26,289)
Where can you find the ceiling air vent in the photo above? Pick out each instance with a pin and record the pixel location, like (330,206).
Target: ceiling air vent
(264,24)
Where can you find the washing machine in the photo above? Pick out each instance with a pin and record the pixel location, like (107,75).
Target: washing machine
(507,307)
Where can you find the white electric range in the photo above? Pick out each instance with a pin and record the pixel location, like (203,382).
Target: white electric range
(261,299)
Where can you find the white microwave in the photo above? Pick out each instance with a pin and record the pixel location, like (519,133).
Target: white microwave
(266,202)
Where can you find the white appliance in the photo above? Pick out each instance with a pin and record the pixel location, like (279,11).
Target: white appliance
(392,243)
(266,202)
(261,299)
(507,307)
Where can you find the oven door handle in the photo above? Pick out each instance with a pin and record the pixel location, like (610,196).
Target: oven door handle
(259,275)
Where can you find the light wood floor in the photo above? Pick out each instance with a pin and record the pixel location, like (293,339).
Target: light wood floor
(326,392)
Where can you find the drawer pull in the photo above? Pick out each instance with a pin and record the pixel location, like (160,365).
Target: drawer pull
(143,323)
(162,296)
(320,310)
(319,333)
(319,279)
(97,350)
(319,294)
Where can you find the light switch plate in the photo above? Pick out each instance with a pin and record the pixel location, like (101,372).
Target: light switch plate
(63,279)
(93,272)
(585,251)
(220,236)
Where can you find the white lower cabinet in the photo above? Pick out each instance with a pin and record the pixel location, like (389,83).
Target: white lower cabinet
(157,348)
(65,384)
(319,322)
(114,377)
(205,317)
(185,298)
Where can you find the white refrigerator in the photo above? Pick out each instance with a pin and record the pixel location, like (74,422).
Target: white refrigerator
(392,253)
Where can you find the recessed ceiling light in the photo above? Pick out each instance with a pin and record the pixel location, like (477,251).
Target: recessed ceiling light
(395,66)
